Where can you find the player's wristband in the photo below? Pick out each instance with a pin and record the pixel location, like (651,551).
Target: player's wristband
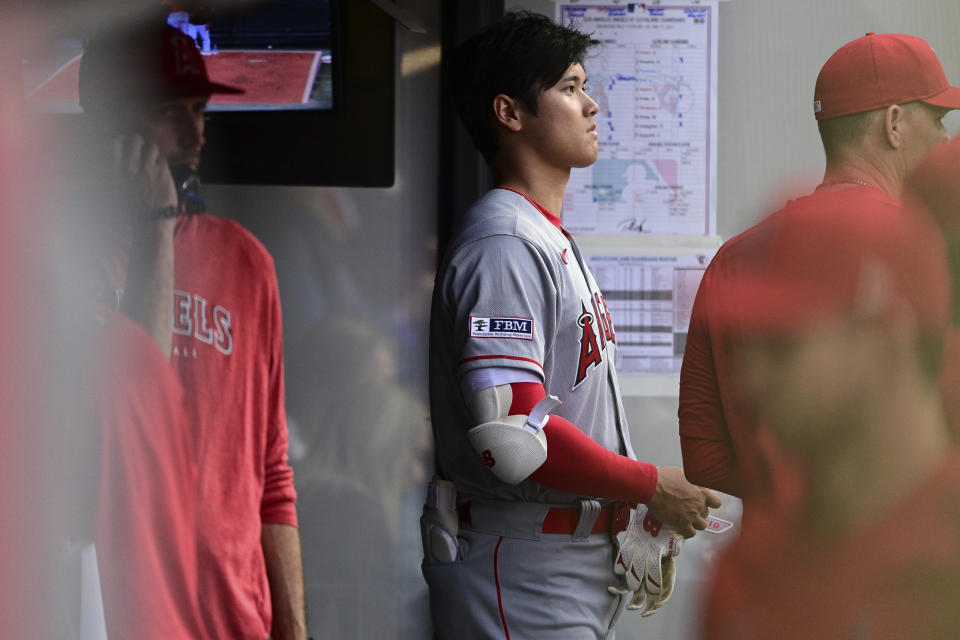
(164,213)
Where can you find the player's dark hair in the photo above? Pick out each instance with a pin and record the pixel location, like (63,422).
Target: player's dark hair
(520,55)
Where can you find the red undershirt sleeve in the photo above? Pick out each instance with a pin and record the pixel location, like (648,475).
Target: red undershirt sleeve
(577,464)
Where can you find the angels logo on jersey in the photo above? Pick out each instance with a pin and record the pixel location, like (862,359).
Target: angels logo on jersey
(194,316)
(597,324)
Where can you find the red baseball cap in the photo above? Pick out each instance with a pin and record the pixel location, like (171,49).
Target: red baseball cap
(840,254)
(147,65)
(879,70)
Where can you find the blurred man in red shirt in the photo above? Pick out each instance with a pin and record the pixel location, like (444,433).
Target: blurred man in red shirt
(840,330)
(935,185)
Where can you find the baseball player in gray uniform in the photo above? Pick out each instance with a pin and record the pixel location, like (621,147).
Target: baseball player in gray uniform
(536,472)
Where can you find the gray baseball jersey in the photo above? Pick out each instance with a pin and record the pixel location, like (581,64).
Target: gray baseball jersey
(514,291)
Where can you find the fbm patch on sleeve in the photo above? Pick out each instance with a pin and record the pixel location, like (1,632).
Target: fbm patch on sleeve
(517,328)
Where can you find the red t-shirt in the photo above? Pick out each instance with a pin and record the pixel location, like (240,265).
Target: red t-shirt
(895,576)
(228,351)
(718,432)
(146,514)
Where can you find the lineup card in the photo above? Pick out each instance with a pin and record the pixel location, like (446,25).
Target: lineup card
(650,300)
(654,78)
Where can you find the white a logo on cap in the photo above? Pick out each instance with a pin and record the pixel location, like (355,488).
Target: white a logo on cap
(816,106)
(186,57)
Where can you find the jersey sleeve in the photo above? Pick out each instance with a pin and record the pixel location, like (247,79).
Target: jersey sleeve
(502,298)
(708,456)
(278,505)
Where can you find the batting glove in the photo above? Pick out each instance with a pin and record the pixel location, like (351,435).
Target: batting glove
(646,562)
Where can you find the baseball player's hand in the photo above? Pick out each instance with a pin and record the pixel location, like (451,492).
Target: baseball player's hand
(680,505)
(646,562)
(140,164)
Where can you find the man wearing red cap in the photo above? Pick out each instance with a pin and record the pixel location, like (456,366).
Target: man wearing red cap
(146,92)
(878,101)
(840,330)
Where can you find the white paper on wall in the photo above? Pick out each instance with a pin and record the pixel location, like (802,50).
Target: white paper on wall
(654,77)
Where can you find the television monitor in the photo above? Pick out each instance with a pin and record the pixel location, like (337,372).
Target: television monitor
(318,106)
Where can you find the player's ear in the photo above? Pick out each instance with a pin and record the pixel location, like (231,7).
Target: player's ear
(893,125)
(507,112)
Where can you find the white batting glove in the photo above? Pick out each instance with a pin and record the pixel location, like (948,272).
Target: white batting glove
(646,562)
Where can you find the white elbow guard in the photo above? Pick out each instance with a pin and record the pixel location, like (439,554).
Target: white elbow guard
(513,447)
